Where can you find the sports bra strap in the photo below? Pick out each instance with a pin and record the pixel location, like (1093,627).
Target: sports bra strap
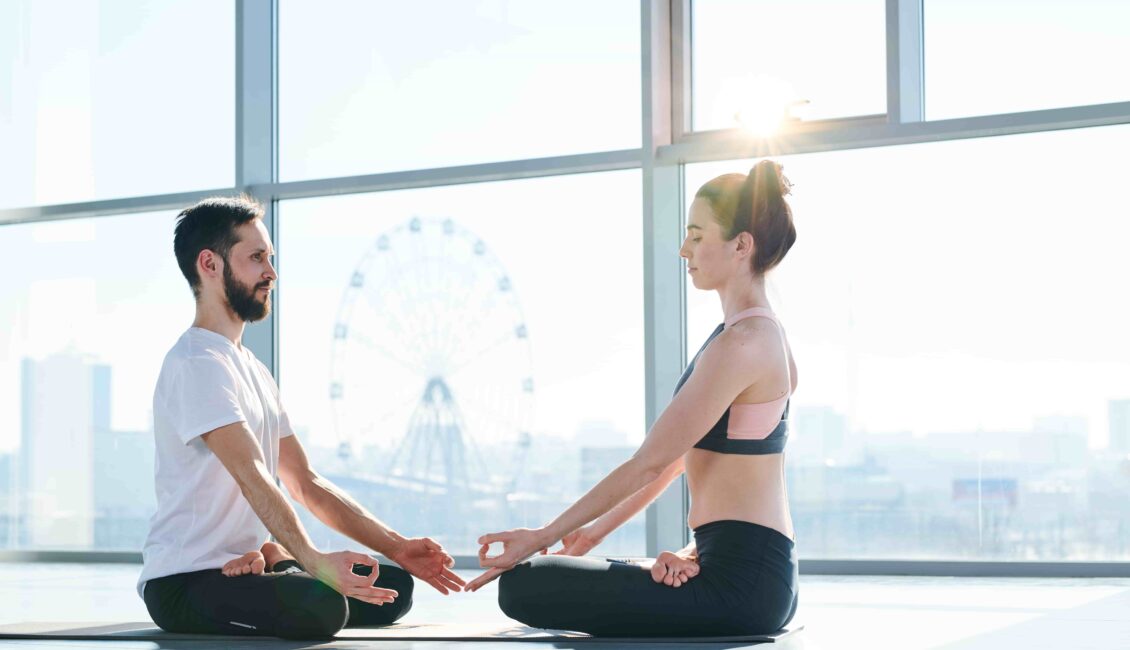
(753,311)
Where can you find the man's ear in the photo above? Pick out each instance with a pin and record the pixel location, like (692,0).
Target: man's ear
(208,264)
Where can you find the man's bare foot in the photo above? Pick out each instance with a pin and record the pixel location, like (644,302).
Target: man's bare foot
(274,553)
(251,562)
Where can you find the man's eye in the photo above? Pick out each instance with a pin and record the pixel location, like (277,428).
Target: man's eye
(697,239)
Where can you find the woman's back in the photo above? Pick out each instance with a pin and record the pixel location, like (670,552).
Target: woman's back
(749,486)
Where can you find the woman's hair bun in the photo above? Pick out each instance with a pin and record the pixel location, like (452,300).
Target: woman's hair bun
(768,179)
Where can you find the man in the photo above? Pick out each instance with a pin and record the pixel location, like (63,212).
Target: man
(222,437)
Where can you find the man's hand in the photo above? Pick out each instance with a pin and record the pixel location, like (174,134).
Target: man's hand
(425,559)
(336,570)
(673,570)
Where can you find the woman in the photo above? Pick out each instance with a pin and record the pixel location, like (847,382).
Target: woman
(739,576)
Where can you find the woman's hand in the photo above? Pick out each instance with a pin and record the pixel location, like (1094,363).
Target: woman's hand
(517,545)
(673,570)
(578,543)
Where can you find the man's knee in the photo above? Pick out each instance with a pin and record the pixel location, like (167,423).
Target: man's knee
(401,582)
(313,610)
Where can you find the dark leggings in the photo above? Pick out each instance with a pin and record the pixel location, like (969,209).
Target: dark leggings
(287,603)
(747,584)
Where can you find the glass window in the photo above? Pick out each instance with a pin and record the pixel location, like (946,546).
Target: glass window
(96,305)
(1002,56)
(470,358)
(432,84)
(963,365)
(107,99)
(753,61)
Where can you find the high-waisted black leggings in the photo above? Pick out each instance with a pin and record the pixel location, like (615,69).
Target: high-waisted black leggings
(747,584)
(287,603)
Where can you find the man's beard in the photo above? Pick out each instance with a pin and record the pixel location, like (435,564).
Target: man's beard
(242,300)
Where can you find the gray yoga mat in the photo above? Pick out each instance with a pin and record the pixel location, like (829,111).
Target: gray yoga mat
(399,632)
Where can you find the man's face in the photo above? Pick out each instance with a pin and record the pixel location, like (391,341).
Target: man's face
(249,276)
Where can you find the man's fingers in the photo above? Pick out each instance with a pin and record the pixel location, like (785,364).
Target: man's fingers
(658,570)
(437,585)
(361,558)
(449,584)
(374,592)
(452,576)
(452,580)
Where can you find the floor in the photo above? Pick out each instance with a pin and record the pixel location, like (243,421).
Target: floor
(872,613)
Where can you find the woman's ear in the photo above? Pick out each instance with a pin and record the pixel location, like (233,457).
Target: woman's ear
(745,244)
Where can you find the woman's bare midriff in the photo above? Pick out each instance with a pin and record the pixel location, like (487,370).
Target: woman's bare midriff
(742,487)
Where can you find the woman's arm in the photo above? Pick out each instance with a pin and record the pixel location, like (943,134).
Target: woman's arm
(588,537)
(727,367)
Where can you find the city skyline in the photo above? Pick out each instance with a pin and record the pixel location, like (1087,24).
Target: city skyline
(988,486)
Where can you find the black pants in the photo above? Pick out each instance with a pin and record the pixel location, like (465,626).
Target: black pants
(288,603)
(747,584)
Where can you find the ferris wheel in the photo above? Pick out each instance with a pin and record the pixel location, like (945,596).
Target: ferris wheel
(431,354)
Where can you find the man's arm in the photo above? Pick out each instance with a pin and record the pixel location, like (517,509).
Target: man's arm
(241,455)
(422,557)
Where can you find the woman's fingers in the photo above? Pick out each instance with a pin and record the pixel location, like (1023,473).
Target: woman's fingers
(483,579)
(490,538)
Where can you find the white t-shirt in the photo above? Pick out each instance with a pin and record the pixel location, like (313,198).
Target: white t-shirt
(202,519)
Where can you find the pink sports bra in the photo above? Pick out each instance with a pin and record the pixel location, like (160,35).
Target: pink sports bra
(757,429)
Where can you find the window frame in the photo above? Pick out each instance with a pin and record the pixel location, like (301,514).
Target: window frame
(667,145)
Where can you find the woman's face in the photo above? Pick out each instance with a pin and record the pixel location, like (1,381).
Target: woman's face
(710,258)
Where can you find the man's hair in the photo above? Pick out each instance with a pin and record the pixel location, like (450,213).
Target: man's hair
(211,225)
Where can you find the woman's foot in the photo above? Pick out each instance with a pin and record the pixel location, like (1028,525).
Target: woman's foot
(251,562)
(274,553)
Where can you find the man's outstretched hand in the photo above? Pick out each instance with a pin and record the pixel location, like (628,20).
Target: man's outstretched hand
(425,559)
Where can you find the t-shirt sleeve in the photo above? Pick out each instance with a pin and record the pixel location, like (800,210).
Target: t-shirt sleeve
(284,423)
(284,420)
(203,397)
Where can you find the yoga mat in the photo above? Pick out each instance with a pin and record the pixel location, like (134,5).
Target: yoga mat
(399,632)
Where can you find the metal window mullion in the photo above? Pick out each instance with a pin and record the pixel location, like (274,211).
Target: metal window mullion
(255,145)
(906,95)
(584,163)
(876,131)
(682,70)
(663,283)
